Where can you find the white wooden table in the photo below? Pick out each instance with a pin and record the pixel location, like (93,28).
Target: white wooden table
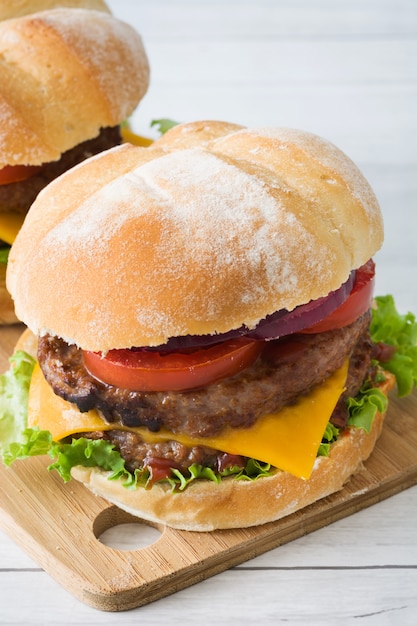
(346,71)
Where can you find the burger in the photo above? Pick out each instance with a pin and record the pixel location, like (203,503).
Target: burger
(70,77)
(11,8)
(204,354)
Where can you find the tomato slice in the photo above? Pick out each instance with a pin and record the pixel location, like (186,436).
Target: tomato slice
(148,370)
(356,304)
(15,173)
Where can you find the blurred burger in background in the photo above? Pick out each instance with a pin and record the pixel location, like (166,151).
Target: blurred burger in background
(13,8)
(70,78)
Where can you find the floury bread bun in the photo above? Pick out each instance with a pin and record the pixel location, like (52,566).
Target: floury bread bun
(17,8)
(69,78)
(201,310)
(214,237)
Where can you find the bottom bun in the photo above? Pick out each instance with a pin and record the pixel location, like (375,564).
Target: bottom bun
(7,314)
(207,506)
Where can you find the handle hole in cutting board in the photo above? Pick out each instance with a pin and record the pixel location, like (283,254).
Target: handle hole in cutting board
(122,531)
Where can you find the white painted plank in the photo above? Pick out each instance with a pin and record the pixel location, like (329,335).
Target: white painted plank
(192,20)
(374,596)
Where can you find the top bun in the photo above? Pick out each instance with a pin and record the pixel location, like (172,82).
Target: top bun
(212,227)
(11,8)
(65,73)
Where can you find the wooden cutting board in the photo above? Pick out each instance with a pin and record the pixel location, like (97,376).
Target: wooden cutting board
(59,524)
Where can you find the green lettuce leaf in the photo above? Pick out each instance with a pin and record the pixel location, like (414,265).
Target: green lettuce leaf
(4,255)
(88,453)
(33,442)
(330,436)
(400,331)
(252,471)
(163,125)
(363,408)
(14,391)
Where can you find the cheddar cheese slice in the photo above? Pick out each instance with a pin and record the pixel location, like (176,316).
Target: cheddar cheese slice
(288,440)
(10,224)
(129,136)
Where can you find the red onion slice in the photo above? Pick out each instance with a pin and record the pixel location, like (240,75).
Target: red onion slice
(285,323)
(278,324)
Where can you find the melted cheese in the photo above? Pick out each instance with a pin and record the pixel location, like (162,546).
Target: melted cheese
(129,136)
(288,439)
(10,224)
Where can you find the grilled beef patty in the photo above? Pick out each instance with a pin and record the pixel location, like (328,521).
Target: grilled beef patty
(173,454)
(270,383)
(264,387)
(19,196)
